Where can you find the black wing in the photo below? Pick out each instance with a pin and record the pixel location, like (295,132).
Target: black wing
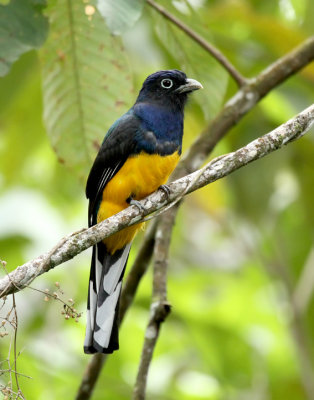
(118,145)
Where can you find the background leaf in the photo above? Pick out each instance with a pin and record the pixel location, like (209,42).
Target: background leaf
(22,28)
(86,83)
(120,14)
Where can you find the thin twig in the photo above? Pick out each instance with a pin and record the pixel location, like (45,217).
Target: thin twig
(235,74)
(12,370)
(15,347)
(69,310)
(14,325)
(9,360)
(138,269)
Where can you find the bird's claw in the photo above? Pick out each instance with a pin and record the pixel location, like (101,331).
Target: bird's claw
(136,203)
(166,190)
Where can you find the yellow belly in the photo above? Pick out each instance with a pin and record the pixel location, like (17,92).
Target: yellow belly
(139,176)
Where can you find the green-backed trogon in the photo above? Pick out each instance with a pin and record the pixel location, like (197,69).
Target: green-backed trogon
(137,155)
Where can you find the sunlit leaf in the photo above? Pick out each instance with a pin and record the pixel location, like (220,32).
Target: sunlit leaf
(120,14)
(22,28)
(86,83)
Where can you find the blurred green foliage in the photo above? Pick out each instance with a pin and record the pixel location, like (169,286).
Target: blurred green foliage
(240,246)
(22,28)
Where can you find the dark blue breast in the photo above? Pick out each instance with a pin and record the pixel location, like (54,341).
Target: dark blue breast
(161,128)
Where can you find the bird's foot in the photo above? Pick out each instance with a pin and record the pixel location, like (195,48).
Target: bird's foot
(166,190)
(136,203)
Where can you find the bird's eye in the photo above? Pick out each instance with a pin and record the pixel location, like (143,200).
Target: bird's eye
(166,83)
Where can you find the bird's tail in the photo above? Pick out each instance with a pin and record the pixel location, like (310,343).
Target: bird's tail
(105,283)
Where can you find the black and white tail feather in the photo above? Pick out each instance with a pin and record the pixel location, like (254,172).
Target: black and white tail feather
(103,299)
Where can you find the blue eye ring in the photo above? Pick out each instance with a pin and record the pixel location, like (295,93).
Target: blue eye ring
(166,83)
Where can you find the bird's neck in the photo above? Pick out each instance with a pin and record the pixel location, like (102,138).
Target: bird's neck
(165,122)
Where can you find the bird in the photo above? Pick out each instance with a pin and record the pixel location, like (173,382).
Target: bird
(136,157)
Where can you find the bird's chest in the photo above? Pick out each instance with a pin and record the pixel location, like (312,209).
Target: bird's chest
(161,129)
(140,176)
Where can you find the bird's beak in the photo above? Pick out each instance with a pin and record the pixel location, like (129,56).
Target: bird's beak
(189,86)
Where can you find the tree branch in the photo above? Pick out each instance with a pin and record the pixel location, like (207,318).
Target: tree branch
(234,73)
(75,243)
(160,308)
(138,269)
(90,376)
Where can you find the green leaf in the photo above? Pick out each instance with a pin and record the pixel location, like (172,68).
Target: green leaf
(22,28)
(86,83)
(120,14)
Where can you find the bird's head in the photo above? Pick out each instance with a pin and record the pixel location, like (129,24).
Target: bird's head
(169,88)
